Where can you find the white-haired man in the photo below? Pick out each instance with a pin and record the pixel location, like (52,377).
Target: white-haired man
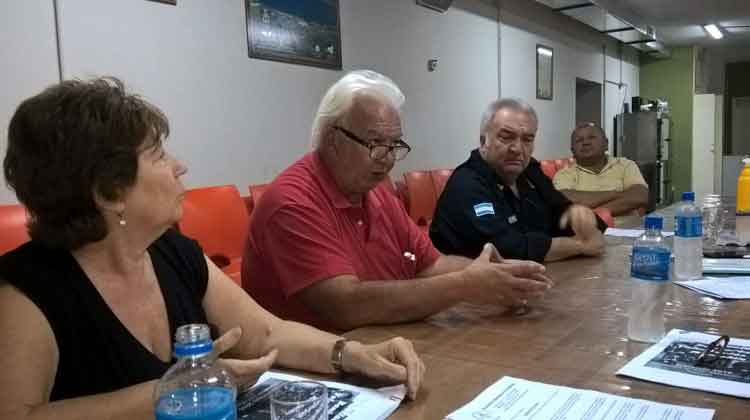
(331,246)
(500,195)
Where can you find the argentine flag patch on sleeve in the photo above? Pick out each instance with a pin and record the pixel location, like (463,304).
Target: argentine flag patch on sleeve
(484,209)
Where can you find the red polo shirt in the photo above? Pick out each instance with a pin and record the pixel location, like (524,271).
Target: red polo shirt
(304,230)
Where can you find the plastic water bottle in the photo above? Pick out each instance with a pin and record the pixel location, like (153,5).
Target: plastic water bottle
(649,273)
(195,388)
(688,239)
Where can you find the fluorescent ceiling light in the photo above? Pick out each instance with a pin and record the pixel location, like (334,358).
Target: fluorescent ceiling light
(544,51)
(714,31)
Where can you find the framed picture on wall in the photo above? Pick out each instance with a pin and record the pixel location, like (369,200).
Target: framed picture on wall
(295,31)
(544,72)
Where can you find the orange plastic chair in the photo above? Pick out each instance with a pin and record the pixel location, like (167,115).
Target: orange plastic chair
(548,167)
(421,196)
(388,183)
(13,231)
(249,204)
(561,163)
(401,192)
(439,179)
(217,218)
(256,191)
(605,215)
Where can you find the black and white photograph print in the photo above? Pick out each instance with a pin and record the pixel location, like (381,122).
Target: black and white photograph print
(680,356)
(295,31)
(254,403)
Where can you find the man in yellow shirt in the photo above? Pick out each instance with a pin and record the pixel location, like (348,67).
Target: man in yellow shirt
(597,180)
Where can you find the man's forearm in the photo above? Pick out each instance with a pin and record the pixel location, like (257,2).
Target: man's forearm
(562,248)
(591,199)
(632,198)
(445,264)
(356,303)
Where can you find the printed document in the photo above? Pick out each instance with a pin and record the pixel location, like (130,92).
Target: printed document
(345,402)
(735,287)
(726,266)
(630,233)
(672,360)
(518,399)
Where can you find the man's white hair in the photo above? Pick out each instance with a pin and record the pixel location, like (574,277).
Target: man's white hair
(504,103)
(339,97)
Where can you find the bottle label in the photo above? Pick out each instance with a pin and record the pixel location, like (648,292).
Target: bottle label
(650,264)
(689,227)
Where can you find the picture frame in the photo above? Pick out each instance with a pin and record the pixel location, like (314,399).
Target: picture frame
(545,75)
(306,32)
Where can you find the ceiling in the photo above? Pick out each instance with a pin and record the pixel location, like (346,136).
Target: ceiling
(680,22)
(675,22)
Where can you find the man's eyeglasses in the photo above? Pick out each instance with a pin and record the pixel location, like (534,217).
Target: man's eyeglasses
(399,149)
(713,352)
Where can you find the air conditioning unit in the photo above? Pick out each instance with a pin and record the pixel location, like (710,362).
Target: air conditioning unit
(438,5)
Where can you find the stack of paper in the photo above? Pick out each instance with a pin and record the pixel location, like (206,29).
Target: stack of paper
(671,361)
(519,399)
(720,287)
(630,233)
(726,265)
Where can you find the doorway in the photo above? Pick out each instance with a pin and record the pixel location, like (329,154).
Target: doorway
(588,102)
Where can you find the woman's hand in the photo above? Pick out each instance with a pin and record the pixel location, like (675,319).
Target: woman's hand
(245,372)
(393,361)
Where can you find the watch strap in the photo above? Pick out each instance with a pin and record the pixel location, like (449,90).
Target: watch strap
(337,355)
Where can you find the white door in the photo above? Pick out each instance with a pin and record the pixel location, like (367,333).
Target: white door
(704,139)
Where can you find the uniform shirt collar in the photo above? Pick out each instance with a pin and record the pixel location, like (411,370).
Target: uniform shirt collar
(477,162)
(610,162)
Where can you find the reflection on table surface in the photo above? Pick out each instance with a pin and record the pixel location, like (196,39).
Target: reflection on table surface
(574,336)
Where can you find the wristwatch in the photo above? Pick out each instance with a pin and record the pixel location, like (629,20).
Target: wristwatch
(337,355)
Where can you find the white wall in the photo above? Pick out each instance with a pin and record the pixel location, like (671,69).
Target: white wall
(579,52)
(621,84)
(237,120)
(28,61)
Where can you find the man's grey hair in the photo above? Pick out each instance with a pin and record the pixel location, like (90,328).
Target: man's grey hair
(339,97)
(505,103)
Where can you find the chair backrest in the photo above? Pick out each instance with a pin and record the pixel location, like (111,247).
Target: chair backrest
(561,163)
(388,183)
(401,192)
(439,178)
(421,196)
(548,167)
(605,215)
(551,166)
(256,191)
(13,231)
(217,218)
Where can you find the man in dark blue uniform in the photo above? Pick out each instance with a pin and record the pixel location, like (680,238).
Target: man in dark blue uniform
(500,195)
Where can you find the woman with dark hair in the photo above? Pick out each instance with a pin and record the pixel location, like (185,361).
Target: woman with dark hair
(89,306)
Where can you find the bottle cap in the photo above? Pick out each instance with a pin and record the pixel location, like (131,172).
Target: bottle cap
(688,196)
(653,222)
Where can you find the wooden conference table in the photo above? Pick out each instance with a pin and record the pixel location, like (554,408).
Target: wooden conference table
(575,336)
